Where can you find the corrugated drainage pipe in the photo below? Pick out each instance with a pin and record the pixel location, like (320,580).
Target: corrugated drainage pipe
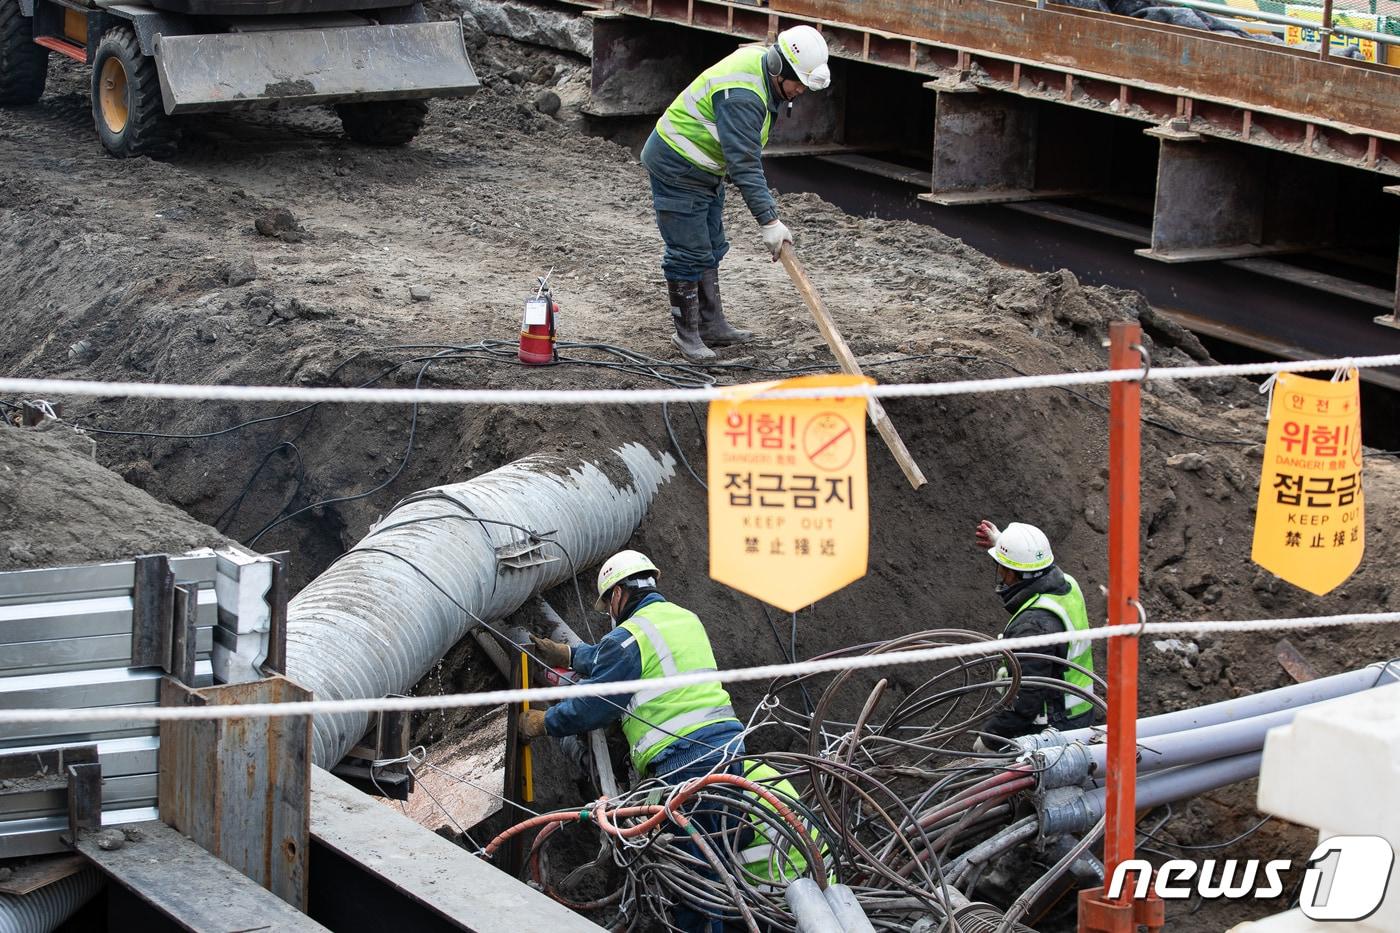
(43,910)
(383,614)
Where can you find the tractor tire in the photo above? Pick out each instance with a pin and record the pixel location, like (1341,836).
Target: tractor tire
(126,103)
(24,66)
(383,123)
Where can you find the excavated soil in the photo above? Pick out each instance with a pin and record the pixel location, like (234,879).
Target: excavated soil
(140,270)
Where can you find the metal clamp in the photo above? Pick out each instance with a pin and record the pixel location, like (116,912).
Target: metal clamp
(1142,616)
(1146,361)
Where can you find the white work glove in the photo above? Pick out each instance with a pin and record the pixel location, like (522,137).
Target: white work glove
(987,535)
(775,234)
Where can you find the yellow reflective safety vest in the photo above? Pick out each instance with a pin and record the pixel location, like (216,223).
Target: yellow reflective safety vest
(671,641)
(762,860)
(1069,609)
(688,125)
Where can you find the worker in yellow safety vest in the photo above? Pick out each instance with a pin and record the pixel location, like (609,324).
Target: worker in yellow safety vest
(768,856)
(1042,599)
(674,734)
(717,127)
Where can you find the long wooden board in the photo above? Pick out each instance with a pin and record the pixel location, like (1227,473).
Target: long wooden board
(848,363)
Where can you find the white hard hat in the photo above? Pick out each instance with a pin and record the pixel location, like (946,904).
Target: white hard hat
(805,50)
(1022,547)
(617,568)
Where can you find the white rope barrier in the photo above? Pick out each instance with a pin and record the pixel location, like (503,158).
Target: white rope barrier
(330,394)
(761,672)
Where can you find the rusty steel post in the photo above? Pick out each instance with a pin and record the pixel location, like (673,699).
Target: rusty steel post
(1124,493)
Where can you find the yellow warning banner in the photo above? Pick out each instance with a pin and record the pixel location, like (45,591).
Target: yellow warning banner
(1309,527)
(789,510)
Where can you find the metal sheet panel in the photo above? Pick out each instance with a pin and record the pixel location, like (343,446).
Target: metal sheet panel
(240,70)
(120,757)
(83,690)
(118,793)
(91,580)
(42,835)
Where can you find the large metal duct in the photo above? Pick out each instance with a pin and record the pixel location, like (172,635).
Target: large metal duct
(43,910)
(384,613)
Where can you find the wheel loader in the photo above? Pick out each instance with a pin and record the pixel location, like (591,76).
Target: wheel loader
(376,61)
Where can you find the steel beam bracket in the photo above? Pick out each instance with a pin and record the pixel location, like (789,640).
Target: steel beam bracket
(84,797)
(389,739)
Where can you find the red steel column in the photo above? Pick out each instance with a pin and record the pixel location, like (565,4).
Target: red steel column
(1124,493)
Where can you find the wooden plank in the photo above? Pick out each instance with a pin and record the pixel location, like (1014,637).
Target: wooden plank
(848,362)
(40,873)
(191,887)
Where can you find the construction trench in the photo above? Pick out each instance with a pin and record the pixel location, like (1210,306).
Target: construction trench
(408,267)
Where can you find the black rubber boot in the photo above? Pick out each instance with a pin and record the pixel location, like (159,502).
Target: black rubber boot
(685,313)
(714,329)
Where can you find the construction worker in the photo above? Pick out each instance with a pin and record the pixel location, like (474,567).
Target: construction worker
(674,735)
(1042,599)
(717,126)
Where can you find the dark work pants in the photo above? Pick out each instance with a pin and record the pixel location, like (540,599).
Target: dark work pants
(689,205)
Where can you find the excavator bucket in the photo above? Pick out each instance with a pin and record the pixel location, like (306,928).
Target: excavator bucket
(296,67)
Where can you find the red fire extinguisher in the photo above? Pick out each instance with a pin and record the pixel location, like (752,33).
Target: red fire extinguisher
(537,326)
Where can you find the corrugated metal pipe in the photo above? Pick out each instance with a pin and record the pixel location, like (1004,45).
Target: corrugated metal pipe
(383,614)
(43,910)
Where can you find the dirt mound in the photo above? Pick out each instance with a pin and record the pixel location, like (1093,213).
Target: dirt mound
(58,505)
(133,258)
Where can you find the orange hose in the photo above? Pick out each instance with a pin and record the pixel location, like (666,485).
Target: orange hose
(657,814)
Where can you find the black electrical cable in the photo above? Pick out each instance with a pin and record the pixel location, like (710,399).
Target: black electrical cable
(231,510)
(1214,845)
(408,452)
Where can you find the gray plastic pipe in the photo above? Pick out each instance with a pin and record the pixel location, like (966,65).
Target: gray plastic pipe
(42,910)
(1205,743)
(813,915)
(383,614)
(1258,704)
(1080,814)
(847,910)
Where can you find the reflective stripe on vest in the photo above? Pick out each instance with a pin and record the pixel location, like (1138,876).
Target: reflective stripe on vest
(1069,609)
(671,641)
(688,125)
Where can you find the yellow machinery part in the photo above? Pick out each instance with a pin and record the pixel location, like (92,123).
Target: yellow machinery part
(112,95)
